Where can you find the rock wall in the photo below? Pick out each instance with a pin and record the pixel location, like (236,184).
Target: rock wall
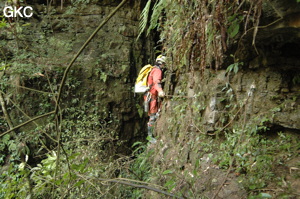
(221,132)
(101,79)
(263,76)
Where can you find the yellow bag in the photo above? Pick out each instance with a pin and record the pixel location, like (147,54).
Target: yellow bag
(141,81)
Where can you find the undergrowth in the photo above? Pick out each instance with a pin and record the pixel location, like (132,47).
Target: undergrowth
(189,158)
(199,42)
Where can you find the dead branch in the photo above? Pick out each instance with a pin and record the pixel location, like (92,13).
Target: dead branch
(27,122)
(6,115)
(122,181)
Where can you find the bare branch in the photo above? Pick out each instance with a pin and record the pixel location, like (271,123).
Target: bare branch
(27,122)
(122,181)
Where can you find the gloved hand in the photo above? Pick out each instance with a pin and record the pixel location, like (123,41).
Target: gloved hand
(161,94)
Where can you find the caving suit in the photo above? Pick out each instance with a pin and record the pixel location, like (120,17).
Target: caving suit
(154,83)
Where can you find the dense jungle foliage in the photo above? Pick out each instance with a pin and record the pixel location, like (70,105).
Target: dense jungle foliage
(59,141)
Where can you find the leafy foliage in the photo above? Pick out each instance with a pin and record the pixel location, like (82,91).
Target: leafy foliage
(158,8)
(234,67)
(203,38)
(234,26)
(139,169)
(3,23)
(80,155)
(188,153)
(144,18)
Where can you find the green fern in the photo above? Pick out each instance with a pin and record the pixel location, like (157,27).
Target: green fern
(157,10)
(144,18)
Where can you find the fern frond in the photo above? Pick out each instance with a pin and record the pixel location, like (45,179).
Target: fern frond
(157,10)
(144,18)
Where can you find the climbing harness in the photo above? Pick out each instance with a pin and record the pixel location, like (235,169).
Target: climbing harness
(147,101)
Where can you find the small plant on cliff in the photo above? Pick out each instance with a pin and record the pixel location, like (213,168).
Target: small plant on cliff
(139,169)
(3,22)
(234,67)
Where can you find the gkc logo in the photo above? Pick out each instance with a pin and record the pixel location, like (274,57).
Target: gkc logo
(13,11)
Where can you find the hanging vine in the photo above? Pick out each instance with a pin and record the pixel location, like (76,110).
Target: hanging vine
(203,40)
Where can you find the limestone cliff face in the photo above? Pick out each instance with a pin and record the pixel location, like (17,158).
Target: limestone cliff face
(38,49)
(255,95)
(264,77)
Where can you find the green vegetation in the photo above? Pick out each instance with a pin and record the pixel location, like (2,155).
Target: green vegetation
(86,145)
(201,39)
(245,149)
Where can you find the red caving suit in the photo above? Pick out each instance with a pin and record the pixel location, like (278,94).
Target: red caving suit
(154,82)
